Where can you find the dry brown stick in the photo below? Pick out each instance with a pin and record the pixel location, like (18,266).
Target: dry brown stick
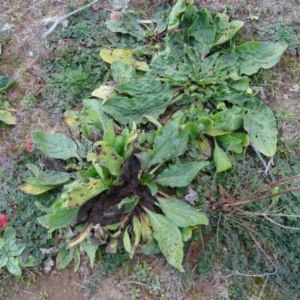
(240,203)
(52,28)
(273,184)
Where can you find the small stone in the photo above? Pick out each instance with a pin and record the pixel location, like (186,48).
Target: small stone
(115,15)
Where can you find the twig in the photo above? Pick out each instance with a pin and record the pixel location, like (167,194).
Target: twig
(79,285)
(275,184)
(25,292)
(283,226)
(258,214)
(133,282)
(52,28)
(240,203)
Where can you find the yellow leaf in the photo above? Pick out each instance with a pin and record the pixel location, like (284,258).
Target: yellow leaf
(33,187)
(80,195)
(103,92)
(126,56)
(249,91)
(71,122)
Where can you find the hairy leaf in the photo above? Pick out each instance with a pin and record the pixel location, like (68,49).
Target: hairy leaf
(221,159)
(169,239)
(121,72)
(55,145)
(142,86)
(260,123)
(124,109)
(169,143)
(81,194)
(62,218)
(161,17)
(177,10)
(256,55)
(90,251)
(181,213)
(12,266)
(180,175)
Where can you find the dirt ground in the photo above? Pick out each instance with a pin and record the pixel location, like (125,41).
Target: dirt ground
(20,59)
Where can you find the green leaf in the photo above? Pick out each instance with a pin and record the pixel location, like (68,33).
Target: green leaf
(231,119)
(6,82)
(76,256)
(203,31)
(48,210)
(260,123)
(110,159)
(30,262)
(162,151)
(53,177)
(9,236)
(122,109)
(221,159)
(63,217)
(226,30)
(95,111)
(90,251)
(7,117)
(169,239)
(256,55)
(177,10)
(151,247)
(49,177)
(121,72)
(55,145)
(142,86)
(235,141)
(12,266)
(16,249)
(129,24)
(180,175)
(109,134)
(5,105)
(186,233)
(3,261)
(126,241)
(63,258)
(129,203)
(181,213)
(137,232)
(161,17)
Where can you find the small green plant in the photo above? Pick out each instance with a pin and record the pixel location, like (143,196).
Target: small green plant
(44,295)
(134,292)
(28,102)
(11,253)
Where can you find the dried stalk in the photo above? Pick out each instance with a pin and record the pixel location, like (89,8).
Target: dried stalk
(52,28)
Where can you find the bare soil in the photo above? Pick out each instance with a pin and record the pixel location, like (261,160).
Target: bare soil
(20,59)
